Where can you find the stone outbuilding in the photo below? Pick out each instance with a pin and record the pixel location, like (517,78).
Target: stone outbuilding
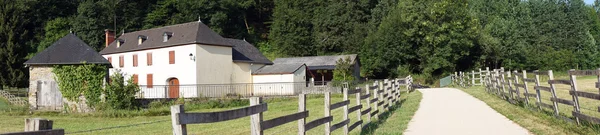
(44,93)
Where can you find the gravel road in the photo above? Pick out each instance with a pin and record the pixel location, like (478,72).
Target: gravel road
(448,111)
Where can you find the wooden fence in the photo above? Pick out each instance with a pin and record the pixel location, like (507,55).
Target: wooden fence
(385,94)
(514,87)
(466,79)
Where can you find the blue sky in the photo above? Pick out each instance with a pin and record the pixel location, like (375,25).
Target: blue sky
(589,1)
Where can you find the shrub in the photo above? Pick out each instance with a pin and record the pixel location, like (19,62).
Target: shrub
(120,95)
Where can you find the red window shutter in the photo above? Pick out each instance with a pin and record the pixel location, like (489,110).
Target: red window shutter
(110,60)
(121,61)
(171,57)
(135,60)
(149,59)
(135,78)
(149,80)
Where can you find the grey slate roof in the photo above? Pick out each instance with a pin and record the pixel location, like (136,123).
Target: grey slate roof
(278,69)
(246,52)
(187,33)
(67,50)
(316,62)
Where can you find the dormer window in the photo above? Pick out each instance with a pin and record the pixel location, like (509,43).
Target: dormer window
(141,39)
(120,42)
(166,36)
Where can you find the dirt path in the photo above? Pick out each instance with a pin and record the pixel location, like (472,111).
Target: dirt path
(450,111)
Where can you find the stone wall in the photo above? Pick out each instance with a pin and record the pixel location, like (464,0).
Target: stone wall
(38,73)
(42,75)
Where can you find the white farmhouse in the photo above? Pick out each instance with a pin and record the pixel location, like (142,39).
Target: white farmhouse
(173,61)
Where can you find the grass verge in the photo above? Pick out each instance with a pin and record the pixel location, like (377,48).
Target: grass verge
(537,122)
(396,121)
(3,104)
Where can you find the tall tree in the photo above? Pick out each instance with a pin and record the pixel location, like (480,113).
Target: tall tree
(340,25)
(292,27)
(90,22)
(13,38)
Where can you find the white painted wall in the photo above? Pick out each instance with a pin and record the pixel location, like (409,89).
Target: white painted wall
(184,69)
(241,73)
(279,84)
(214,64)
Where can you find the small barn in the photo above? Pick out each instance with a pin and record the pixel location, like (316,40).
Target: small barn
(279,79)
(44,93)
(320,68)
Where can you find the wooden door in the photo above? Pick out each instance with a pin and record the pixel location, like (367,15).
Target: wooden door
(173,88)
(48,96)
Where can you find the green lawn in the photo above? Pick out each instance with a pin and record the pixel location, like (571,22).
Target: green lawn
(3,104)
(315,106)
(403,113)
(537,122)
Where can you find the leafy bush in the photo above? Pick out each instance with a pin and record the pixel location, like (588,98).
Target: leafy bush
(120,95)
(75,80)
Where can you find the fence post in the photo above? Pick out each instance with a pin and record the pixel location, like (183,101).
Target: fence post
(537,91)
(37,124)
(301,108)
(575,97)
(480,77)
(178,129)
(327,112)
(525,87)
(255,119)
(517,88)
(472,77)
(503,94)
(358,104)
(376,94)
(552,89)
(368,102)
(345,91)
(510,87)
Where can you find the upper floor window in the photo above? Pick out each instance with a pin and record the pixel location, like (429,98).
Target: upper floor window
(166,36)
(135,60)
(109,60)
(121,61)
(149,59)
(171,57)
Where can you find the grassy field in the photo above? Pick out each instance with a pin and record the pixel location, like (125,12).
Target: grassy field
(537,122)
(398,121)
(315,106)
(3,104)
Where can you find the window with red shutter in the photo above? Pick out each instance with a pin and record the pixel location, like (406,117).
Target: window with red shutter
(135,78)
(171,57)
(110,60)
(135,60)
(121,61)
(149,80)
(149,59)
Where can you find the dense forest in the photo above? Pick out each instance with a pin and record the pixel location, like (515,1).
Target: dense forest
(431,38)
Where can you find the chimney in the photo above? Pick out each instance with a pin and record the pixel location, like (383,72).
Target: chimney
(110,36)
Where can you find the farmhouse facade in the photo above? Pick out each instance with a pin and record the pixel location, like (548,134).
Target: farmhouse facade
(166,58)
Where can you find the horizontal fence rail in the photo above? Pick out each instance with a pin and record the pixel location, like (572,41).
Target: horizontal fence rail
(385,92)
